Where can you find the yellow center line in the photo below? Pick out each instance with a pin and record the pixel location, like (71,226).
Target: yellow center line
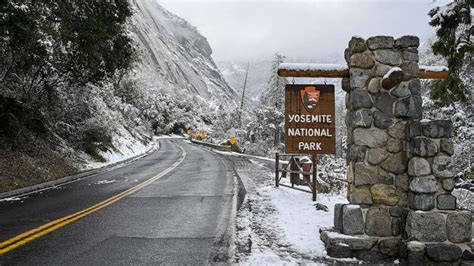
(42,230)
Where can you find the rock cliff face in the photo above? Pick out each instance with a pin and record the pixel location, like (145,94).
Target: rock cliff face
(175,56)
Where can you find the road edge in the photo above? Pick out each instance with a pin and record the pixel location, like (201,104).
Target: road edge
(78,176)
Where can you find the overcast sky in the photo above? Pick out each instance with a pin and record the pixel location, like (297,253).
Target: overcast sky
(252,30)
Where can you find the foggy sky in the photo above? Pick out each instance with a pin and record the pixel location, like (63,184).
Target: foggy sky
(253,30)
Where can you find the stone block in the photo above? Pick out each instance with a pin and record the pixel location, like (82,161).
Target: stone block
(396,163)
(426,226)
(354,242)
(384,194)
(396,212)
(376,156)
(437,129)
(346,84)
(372,138)
(362,60)
(410,56)
(446,202)
(382,120)
(373,256)
(357,45)
(447,146)
(378,222)
(352,220)
(468,255)
(339,251)
(360,195)
(357,153)
(338,217)
(388,57)
(390,247)
(459,226)
(360,99)
(401,182)
(361,118)
(448,184)
(410,69)
(380,69)
(424,184)
(418,167)
(394,145)
(386,179)
(442,166)
(365,174)
(396,226)
(443,252)
(407,41)
(384,102)
(401,90)
(374,85)
(414,129)
(423,202)
(359,78)
(414,86)
(423,147)
(410,107)
(380,42)
(416,259)
(398,130)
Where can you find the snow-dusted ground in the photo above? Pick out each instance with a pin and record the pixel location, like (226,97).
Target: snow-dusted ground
(279,225)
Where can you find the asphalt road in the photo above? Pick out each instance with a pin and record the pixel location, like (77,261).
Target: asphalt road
(184,215)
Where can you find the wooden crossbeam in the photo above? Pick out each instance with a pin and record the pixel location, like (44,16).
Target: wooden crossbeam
(298,70)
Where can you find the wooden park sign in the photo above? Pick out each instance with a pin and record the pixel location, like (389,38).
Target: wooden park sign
(310,121)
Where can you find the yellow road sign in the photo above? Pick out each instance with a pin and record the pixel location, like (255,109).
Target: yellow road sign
(233,140)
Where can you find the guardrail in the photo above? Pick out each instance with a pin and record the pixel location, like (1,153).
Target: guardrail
(214,146)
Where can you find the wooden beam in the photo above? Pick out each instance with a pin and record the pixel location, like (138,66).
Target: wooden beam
(342,71)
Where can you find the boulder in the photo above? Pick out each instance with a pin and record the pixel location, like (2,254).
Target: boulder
(384,194)
(372,256)
(410,56)
(468,255)
(426,226)
(410,69)
(401,91)
(338,217)
(414,86)
(401,182)
(380,69)
(388,57)
(374,85)
(357,153)
(365,174)
(459,226)
(339,251)
(390,247)
(354,242)
(418,166)
(448,184)
(360,195)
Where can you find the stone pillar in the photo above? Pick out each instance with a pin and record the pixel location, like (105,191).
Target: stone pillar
(397,165)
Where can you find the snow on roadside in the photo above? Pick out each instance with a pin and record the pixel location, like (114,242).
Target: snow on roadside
(279,225)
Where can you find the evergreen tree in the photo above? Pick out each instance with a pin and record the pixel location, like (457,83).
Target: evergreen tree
(454,33)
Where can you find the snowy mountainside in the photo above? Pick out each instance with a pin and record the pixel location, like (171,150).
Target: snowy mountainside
(174,55)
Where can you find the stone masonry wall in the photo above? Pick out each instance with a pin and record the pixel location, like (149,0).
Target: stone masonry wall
(398,165)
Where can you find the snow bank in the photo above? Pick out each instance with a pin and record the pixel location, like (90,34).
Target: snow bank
(312,67)
(433,68)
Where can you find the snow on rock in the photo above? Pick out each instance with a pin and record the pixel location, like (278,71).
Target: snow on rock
(312,67)
(393,69)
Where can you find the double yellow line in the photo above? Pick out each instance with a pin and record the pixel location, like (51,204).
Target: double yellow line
(44,229)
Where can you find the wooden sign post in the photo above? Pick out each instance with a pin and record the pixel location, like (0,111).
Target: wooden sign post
(310,125)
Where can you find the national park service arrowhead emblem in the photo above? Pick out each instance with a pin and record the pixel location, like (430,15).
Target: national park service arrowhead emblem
(310,97)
